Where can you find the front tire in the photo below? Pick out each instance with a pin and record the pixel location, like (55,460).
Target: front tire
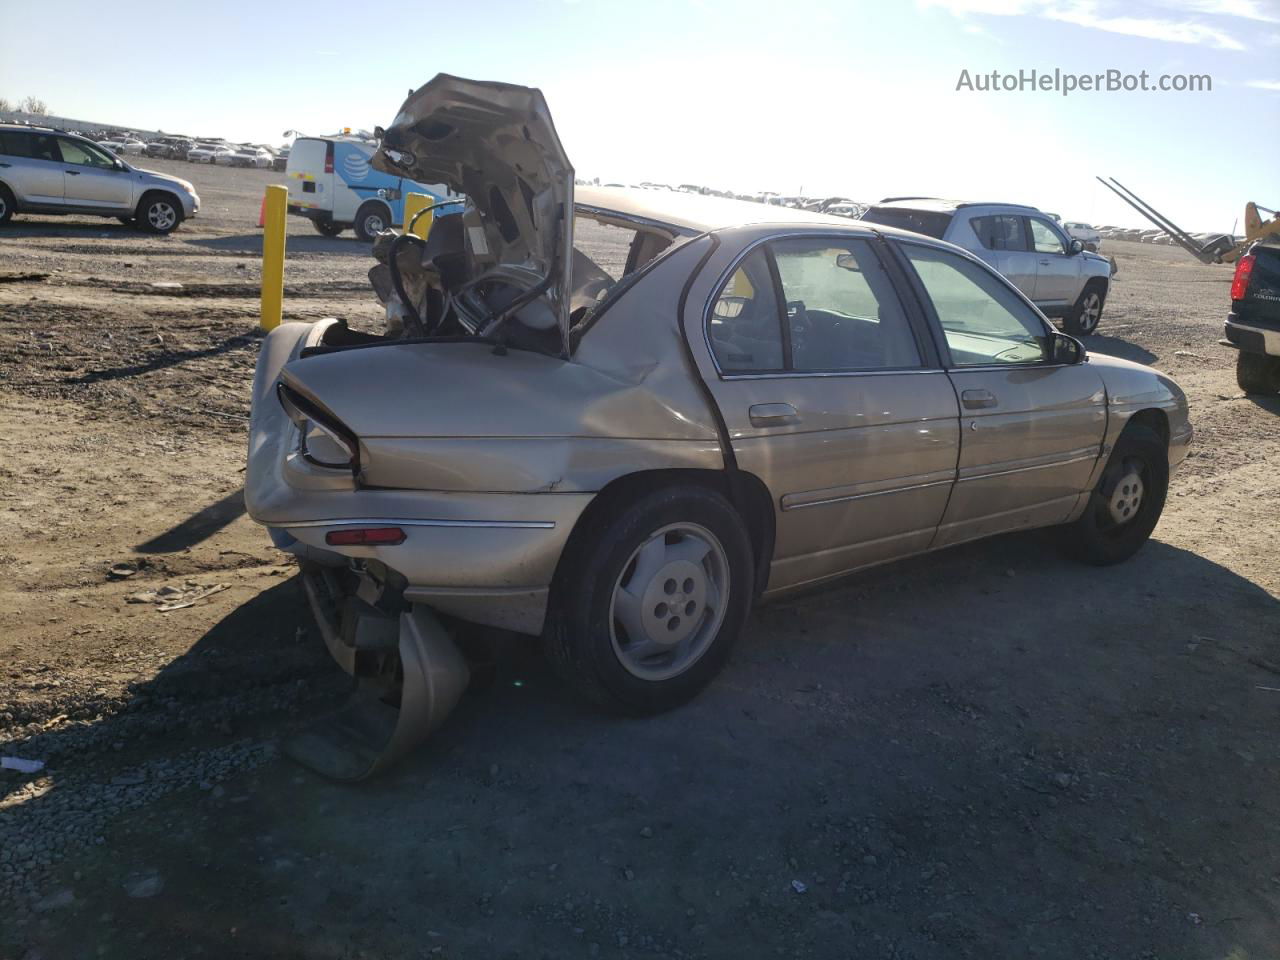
(1087,312)
(650,600)
(371,219)
(1256,373)
(1127,502)
(7,205)
(159,213)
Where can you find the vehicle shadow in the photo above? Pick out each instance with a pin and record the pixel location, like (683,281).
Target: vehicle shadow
(89,229)
(170,358)
(251,244)
(1270,404)
(1116,347)
(985,726)
(199,526)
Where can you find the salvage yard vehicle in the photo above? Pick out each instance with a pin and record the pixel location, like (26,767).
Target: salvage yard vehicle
(210,153)
(620,455)
(1253,326)
(332,184)
(46,172)
(1086,234)
(124,145)
(250,156)
(172,148)
(1028,247)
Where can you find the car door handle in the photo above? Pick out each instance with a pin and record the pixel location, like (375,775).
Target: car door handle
(72,173)
(978,399)
(5,165)
(1044,263)
(772,414)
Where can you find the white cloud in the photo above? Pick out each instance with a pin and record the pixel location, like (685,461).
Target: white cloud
(1245,9)
(1092,15)
(1086,14)
(1264,85)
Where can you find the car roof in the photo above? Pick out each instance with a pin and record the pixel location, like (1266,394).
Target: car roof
(693,212)
(939,205)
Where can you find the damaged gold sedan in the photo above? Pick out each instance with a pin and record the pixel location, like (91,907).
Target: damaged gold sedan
(619,453)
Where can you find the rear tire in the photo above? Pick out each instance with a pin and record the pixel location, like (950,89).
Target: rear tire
(371,219)
(676,566)
(1256,373)
(1087,312)
(7,204)
(327,228)
(1127,502)
(159,213)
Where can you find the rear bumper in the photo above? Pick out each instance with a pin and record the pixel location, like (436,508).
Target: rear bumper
(1253,337)
(488,558)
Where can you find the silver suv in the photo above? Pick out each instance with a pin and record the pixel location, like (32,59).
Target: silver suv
(45,171)
(1027,246)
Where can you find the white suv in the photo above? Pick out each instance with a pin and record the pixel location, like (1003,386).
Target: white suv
(1054,270)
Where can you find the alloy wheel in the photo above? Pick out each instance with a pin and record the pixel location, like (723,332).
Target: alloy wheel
(1090,312)
(161,215)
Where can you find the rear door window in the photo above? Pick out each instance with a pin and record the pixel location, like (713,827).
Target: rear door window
(932,223)
(842,310)
(36,146)
(1000,233)
(14,144)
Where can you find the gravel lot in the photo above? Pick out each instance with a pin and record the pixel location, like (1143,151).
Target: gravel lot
(989,752)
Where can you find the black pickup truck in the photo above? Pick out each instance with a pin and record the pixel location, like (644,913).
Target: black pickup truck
(1254,322)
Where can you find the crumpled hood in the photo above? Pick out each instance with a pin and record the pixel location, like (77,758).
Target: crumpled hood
(495,143)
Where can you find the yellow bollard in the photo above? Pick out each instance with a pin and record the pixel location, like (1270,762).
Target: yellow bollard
(413,202)
(277,203)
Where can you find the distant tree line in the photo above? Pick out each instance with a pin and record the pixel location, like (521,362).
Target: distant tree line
(25,105)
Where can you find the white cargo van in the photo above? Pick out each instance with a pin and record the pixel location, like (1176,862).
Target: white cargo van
(331,184)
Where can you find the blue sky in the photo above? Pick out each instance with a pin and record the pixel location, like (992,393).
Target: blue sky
(854,98)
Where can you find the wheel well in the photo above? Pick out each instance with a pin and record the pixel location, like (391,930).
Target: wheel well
(1101,282)
(747,492)
(377,203)
(177,203)
(1154,420)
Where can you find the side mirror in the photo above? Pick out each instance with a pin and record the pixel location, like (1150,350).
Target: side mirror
(1076,246)
(1065,349)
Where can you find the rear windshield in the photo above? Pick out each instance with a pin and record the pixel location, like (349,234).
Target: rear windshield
(929,222)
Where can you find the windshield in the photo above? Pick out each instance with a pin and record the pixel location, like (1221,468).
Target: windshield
(931,223)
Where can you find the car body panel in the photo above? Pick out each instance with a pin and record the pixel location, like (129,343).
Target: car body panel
(1025,459)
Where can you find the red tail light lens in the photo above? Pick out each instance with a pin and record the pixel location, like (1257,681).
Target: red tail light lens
(1240,282)
(328,158)
(365,537)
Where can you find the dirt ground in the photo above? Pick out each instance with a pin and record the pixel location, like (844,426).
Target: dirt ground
(990,752)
